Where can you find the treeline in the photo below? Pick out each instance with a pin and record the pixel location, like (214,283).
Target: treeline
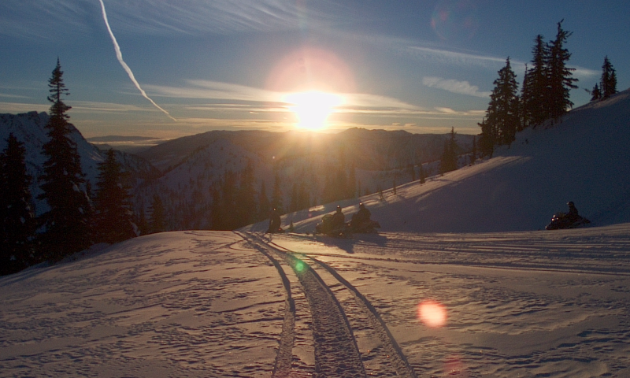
(544,94)
(75,218)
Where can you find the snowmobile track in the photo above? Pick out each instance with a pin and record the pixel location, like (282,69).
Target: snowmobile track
(336,350)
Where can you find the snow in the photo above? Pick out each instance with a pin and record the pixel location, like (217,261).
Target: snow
(462,282)
(211,304)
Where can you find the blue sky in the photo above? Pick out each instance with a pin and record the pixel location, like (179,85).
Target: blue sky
(420,66)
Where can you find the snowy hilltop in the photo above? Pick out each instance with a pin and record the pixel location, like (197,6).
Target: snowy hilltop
(584,158)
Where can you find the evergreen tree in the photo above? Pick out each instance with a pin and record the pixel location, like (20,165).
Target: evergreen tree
(352,183)
(560,81)
(65,226)
(246,199)
(596,94)
(113,218)
(304,198)
(263,202)
(227,207)
(473,153)
(157,220)
(141,221)
(535,84)
(276,195)
(293,206)
(609,79)
(449,156)
(17,219)
(216,210)
(412,171)
(422,175)
(486,139)
(502,116)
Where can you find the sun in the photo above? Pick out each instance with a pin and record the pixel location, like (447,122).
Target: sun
(312,108)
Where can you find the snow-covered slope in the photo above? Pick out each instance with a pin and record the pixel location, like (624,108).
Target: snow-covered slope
(584,159)
(222,304)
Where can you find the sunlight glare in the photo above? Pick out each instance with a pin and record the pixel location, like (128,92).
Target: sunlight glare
(312,108)
(432,314)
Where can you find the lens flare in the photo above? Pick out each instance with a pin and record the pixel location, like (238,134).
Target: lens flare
(455,20)
(300,266)
(432,314)
(311,69)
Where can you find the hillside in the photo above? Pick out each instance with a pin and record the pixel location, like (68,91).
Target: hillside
(29,128)
(584,158)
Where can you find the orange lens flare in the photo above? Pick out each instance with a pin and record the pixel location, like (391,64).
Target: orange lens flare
(432,314)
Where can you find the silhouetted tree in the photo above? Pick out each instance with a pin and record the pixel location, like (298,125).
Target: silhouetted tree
(113,218)
(422,175)
(65,226)
(276,195)
(596,94)
(535,84)
(486,139)
(17,218)
(608,80)
(449,156)
(502,115)
(245,203)
(263,202)
(560,81)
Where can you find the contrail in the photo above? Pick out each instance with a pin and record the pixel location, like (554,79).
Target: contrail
(125,66)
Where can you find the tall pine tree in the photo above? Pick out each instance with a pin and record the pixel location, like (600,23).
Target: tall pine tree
(502,117)
(17,218)
(560,80)
(113,218)
(449,155)
(609,79)
(534,89)
(66,224)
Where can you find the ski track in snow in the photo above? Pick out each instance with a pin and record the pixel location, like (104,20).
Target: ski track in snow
(336,352)
(520,304)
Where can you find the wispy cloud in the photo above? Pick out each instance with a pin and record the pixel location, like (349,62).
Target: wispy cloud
(5,95)
(105,107)
(213,90)
(454,86)
(15,107)
(196,17)
(43,19)
(234,98)
(459,58)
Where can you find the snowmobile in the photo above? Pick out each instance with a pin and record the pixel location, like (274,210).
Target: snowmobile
(326,228)
(367,227)
(562,221)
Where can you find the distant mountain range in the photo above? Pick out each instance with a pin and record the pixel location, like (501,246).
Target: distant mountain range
(183,171)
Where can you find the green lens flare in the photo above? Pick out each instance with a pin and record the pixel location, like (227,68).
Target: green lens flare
(300,266)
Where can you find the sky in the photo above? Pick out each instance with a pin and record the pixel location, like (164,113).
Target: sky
(167,69)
